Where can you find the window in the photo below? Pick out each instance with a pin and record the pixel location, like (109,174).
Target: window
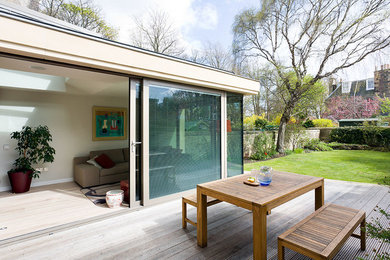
(370,84)
(346,87)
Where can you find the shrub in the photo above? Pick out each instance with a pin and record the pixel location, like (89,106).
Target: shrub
(264,147)
(260,123)
(317,145)
(372,136)
(249,121)
(323,123)
(341,146)
(276,120)
(299,150)
(384,120)
(308,123)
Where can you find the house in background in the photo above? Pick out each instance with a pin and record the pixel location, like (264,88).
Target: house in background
(184,120)
(367,88)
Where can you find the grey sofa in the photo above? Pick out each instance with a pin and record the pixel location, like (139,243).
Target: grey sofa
(87,175)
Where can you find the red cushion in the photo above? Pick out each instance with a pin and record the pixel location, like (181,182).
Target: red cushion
(125,188)
(104,161)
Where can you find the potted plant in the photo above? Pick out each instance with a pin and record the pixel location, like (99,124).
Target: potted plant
(33,148)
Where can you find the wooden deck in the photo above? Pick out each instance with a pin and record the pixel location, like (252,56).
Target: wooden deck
(155,232)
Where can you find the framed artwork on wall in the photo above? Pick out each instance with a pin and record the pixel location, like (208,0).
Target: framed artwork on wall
(109,123)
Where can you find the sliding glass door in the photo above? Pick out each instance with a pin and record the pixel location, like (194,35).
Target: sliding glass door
(234,129)
(184,139)
(135,141)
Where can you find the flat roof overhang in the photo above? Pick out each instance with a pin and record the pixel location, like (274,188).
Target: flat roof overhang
(32,39)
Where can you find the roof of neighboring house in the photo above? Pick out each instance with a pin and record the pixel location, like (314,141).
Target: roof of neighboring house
(357,88)
(32,34)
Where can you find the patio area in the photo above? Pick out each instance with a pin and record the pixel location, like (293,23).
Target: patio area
(155,232)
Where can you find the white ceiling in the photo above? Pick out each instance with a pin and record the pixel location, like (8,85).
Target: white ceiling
(76,81)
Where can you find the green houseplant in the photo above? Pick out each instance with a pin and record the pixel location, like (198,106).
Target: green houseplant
(33,148)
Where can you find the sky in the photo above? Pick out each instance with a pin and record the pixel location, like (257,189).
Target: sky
(201,21)
(197,21)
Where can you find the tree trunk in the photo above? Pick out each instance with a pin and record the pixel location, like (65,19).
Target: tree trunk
(281,133)
(282,126)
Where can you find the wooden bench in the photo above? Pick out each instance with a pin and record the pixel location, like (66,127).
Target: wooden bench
(323,233)
(192,200)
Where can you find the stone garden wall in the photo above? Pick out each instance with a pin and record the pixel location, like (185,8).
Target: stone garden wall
(249,137)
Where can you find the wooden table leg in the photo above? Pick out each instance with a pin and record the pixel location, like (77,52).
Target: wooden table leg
(183,213)
(201,218)
(319,196)
(280,250)
(259,232)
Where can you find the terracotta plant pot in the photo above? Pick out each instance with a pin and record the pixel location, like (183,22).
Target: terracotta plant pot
(20,181)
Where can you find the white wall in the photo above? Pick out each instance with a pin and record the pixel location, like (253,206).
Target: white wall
(69,118)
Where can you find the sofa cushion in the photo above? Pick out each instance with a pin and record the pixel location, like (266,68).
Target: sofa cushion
(118,168)
(104,161)
(94,163)
(116,155)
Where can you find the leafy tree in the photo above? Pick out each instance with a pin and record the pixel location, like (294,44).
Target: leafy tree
(156,33)
(384,105)
(83,13)
(318,37)
(311,102)
(351,107)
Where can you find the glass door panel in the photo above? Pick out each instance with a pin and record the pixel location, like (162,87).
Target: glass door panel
(234,128)
(135,140)
(184,139)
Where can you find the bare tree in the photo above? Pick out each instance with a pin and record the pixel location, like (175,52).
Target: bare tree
(51,7)
(216,56)
(318,37)
(83,13)
(195,56)
(156,33)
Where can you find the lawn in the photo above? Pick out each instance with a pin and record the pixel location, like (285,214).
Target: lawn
(359,166)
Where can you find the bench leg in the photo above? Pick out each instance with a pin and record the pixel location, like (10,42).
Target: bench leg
(184,214)
(363,234)
(280,251)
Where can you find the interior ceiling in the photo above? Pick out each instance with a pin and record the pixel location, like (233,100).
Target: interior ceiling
(77,81)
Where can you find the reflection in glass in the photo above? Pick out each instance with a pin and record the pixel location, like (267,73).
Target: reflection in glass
(234,135)
(184,139)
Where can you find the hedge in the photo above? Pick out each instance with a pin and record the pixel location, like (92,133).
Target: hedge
(372,136)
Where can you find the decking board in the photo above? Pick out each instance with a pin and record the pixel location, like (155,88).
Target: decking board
(155,232)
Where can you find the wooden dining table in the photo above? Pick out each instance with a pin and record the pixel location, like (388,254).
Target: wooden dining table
(258,199)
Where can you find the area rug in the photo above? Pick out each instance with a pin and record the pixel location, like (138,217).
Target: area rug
(97,194)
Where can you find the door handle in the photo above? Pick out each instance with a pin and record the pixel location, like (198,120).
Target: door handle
(133,144)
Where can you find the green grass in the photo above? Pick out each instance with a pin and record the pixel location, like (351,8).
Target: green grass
(358,166)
